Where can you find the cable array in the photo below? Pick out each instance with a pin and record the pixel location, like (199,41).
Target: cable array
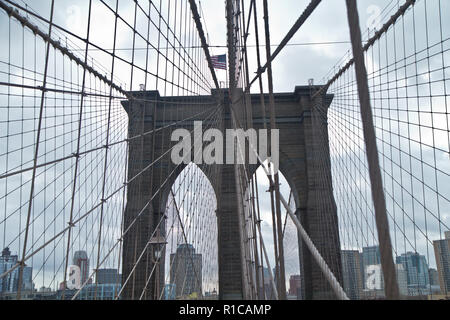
(66,136)
(407,65)
(94,207)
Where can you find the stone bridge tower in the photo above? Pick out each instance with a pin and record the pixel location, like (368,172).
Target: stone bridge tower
(304,161)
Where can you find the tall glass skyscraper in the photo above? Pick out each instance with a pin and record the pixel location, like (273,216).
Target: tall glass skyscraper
(81,260)
(10,283)
(416,267)
(352,273)
(370,256)
(186,270)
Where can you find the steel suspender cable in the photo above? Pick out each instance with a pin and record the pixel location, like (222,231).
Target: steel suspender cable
(387,262)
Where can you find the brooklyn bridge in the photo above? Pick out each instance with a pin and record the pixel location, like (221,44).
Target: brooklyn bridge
(175,150)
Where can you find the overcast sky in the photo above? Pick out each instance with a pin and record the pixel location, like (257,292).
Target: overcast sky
(297,64)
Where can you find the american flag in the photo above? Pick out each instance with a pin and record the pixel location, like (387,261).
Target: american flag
(219,62)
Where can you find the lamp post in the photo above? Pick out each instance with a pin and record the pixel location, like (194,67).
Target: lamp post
(157,243)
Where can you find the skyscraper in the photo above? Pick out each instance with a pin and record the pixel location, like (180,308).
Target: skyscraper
(402,279)
(81,260)
(351,272)
(186,270)
(371,265)
(370,257)
(10,283)
(7,261)
(442,254)
(434,277)
(295,282)
(268,287)
(416,267)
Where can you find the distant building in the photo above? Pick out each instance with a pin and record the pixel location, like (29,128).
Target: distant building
(169,291)
(373,280)
(352,275)
(45,290)
(10,283)
(295,286)
(268,287)
(442,254)
(81,260)
(108,276)
(45,294)
(370,256)
(376,280)
(402,279)
(416,267)
(434,277)
(211,295)
(25,295)
(372,277)
(7,261)
(62,286)
(107,291)
(186,271)
(27,280)
(67,293)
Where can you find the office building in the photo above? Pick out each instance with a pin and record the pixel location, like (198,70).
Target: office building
(295,283)
(402,279)
(435,286)
(442,254)
(107,291)
(351,272)
(416,267)
(268,287)
(372,275)
(81,260)
(186,271)
(10,283)
(370,256)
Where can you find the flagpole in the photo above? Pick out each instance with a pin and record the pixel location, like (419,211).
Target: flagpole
(226,73)
(226,78)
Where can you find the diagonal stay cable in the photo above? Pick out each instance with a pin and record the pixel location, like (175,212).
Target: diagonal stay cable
(301,20)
